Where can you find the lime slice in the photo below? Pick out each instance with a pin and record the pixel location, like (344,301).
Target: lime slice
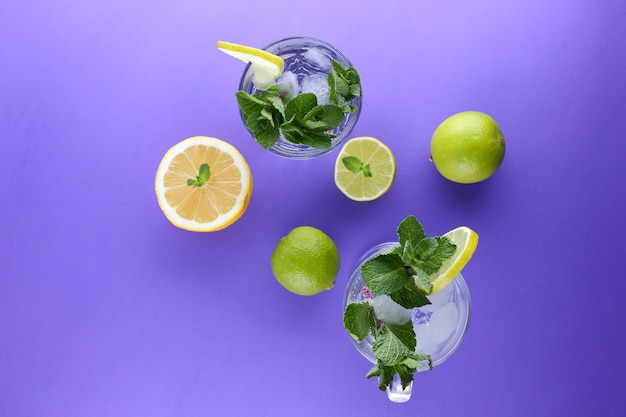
(466,241)
(266,67)
(365,169)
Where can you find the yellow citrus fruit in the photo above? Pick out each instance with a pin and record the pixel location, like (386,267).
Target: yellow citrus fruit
(266,66)
(466,241)
(306,261)
(203,184)
(467,147)
(365,169)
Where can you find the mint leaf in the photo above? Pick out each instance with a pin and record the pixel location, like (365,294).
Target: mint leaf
(359,320)
(394,342)
(344,85)
(295,133)
(322,118)
(384,373)
(306,122)
(203,176)
(404,333)
(264,128)
(300,105)
(277,104)
(425,248)
(249,103)
(424,280)
(432,252)
(354,164)
(263,113)
(405,373)
(385,274)
(416,360)
(410,296)
(410,231)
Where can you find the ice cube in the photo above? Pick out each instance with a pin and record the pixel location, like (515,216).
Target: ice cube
(389,311)
(443,322)
(317,57)
(441,298)
(288,85)
(424,336)
(318,85)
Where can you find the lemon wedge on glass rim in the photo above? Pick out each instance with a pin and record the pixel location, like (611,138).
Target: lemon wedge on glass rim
(466,241)
(266,66)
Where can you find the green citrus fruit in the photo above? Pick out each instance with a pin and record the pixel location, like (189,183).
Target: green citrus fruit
(467,147)
(306,261)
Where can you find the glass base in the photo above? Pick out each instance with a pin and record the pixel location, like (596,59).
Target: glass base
(396,393)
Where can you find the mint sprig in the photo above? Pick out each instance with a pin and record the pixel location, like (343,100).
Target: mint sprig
(394,274)
(355,165)
(204,173)
(269,114)
(344,85)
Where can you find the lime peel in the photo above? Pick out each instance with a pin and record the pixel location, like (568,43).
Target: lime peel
(305,261)
(467,147)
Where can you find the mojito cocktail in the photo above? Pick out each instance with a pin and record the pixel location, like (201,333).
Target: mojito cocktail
(319,102)
(406,305)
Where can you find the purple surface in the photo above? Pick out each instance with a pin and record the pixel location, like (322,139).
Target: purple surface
(108,310)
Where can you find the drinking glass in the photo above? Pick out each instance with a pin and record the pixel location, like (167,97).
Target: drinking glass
(310,60)
(439,327)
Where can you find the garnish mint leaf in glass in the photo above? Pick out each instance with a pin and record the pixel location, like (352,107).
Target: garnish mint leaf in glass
(307,123)
(300,105)
(322,118)
(345,85)
(385,274)
(431,252)
(359,320)
(410,231)
(403,275)
(390,346)
(263,113)
(410,296)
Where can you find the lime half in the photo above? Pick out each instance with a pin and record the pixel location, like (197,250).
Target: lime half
(365,169)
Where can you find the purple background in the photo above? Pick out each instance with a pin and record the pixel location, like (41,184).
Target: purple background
(106,309)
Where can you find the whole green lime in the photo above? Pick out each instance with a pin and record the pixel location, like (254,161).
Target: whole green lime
(306,261)
(467,147)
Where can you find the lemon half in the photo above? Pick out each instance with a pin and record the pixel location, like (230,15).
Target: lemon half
(217,203)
